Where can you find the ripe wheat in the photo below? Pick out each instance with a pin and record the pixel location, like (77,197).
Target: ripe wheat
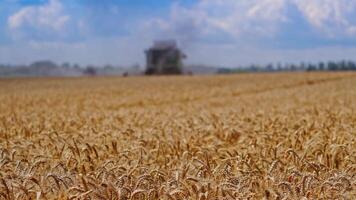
(251,136)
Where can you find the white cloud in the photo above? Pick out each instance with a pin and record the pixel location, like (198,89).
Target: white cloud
(242,17)
(269,10)
(261,18)
(49,16)
(228,16)
(333,17)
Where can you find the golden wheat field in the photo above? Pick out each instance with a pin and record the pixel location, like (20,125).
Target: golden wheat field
(247,136)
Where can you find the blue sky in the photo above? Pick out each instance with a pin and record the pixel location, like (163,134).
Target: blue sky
(211,32)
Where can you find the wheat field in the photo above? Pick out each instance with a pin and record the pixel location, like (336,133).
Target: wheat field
(246,136)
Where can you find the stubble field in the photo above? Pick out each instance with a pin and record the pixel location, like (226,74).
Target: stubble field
(248,136)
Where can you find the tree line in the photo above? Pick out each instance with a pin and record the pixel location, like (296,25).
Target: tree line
(320,66)
(49,68)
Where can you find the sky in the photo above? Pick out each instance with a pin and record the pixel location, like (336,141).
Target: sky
(211,32)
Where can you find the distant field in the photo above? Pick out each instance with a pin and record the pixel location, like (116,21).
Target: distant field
(256,136)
